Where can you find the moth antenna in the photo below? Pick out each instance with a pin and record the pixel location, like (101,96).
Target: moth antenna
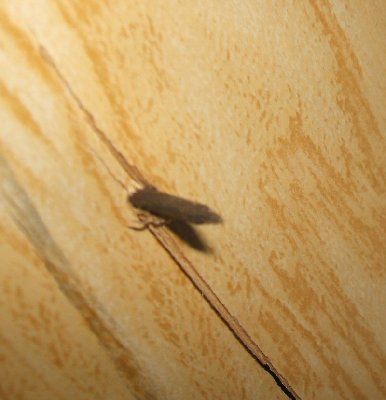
(108,169)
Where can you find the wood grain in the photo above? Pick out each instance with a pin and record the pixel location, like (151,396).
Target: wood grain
(274,114)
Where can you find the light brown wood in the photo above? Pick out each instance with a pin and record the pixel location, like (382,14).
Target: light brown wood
(273,115)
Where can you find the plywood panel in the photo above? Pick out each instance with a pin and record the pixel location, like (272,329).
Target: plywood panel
(273,115)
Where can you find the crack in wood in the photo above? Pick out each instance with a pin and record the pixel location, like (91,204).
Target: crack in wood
(164,238)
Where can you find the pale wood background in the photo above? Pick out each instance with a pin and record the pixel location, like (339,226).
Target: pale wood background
(272,113)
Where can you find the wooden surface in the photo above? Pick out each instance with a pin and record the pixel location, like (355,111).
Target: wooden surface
(271,114)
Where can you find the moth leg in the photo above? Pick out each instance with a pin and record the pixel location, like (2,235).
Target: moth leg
(146,220)
(140,226)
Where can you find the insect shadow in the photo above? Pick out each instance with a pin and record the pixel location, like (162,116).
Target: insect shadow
(188,234)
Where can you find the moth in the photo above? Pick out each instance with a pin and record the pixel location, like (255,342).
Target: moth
(172,208)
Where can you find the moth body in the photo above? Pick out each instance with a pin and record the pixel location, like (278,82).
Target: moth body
(170,207)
